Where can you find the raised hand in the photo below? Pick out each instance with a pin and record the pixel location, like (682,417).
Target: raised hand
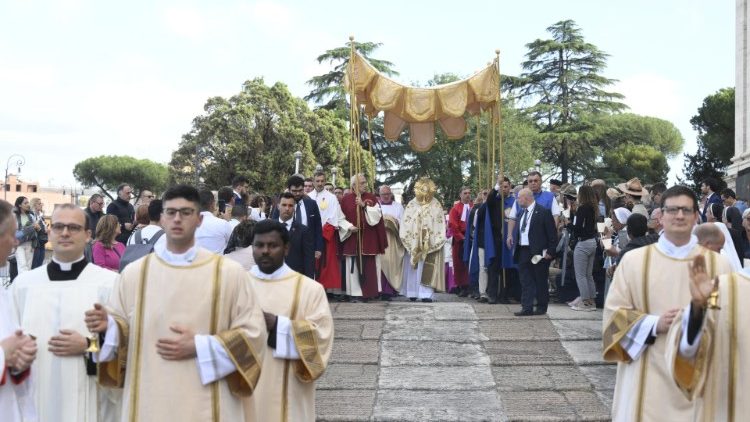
(701,285)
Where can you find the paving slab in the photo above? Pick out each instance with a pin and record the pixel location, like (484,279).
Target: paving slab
(587,405)
(602,377)
(515,353)
(344,405)
(410,312)
(408,405)
(605,396)
(455,312)
(586,352)
(523,378)
(464,331)
(355,351)
(374,310)
(432,353)
(519,329)
(358,329)
(343,376)
(578,329)
(498,311)
(563,311)
(440,378)
(537,406)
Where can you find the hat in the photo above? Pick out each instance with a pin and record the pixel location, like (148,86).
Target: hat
(570,191)
(555,182)
(633,187)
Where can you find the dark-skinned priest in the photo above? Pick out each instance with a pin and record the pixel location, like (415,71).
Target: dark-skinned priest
(300,330)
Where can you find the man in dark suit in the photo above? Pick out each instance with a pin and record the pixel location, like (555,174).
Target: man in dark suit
(535,239)
(300,257)
(306,212)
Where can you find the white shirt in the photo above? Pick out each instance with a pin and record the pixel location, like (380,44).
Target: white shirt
(465,213)
(555,210)
(287,224)
(328,205)
(213,233)
(524,234)
(394,209)
(148,233)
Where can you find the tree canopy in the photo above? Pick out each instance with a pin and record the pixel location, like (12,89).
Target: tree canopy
(255,134)
(108,171)
(715,125)
(562,81)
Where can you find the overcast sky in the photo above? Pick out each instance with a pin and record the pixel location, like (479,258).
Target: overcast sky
(81,78)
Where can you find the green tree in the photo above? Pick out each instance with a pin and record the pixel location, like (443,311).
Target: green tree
(562,81)
(255,134)
(628,128)
(328,89)
(715,125)
(626,161)
(106,172)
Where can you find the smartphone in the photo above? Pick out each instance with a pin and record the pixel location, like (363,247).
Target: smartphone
(222,206)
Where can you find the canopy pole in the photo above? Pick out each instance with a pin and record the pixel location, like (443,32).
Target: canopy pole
(355,164)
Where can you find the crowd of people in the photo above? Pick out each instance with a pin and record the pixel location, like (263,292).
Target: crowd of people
(173,295)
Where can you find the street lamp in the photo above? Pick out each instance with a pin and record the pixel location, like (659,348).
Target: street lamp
(538,165)
(19,162)
(297,158)
(334,170)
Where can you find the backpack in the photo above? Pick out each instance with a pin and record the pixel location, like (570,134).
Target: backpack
(139,249)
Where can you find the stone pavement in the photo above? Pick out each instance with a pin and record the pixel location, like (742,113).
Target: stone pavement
(456,359)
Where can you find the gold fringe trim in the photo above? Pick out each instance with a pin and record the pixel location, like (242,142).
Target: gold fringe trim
(310,365)
(243,381)
(112,374)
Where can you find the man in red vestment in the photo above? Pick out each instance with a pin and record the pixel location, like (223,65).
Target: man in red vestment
(364,240)
(457,218)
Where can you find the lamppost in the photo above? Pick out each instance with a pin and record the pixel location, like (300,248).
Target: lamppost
(297,158)
(334,170)
(19,162)
(538,165)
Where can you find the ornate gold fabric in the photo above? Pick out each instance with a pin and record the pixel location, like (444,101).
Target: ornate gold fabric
(112,374)
(422,107)
(621,322)
(240,351)
(422,229)
(310,365)
(393,258)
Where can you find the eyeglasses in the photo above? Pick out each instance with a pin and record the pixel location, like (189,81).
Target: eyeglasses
(58,228)
(184,212)
(676,210)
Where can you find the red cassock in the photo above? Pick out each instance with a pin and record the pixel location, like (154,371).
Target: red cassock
(458,228)
(329,272)
(373,243)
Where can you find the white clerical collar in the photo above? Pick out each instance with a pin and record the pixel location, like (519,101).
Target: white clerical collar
(279,273)
(66,266)
(679,252)
(180,260)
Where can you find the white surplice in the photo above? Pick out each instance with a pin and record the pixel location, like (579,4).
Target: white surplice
(62,390)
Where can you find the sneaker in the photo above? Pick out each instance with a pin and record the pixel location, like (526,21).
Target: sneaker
(586,307)
(575,302)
